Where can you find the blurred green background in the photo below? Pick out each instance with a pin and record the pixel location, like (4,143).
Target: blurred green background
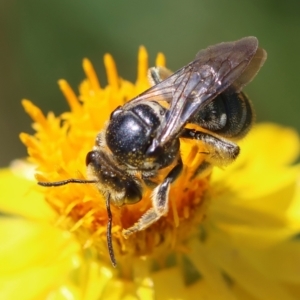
(43,41)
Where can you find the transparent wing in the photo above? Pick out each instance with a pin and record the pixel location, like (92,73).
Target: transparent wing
(213,71)
(162,91)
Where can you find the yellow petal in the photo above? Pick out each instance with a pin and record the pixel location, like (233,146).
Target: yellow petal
(35,258)
(20,196)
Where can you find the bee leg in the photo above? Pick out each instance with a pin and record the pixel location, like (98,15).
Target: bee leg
(160,201)
(220,152)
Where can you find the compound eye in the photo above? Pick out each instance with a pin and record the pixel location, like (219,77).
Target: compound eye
(91,157)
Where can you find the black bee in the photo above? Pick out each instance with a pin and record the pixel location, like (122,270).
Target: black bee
(142,136)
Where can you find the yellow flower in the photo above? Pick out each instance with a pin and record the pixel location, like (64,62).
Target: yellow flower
(59,151)
(233,234)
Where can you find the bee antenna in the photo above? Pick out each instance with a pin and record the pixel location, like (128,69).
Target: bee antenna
(108,233)
(109,214)
(63,182)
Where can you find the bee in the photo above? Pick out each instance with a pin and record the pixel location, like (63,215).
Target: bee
(143,136)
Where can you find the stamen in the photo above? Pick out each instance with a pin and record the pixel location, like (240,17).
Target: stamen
(35,113)
(142,64)
(160,60)
(69,95)
(175,212)
(28,140)
(91,74)
(111,72)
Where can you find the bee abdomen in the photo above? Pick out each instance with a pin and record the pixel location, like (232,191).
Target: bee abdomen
(229,115)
